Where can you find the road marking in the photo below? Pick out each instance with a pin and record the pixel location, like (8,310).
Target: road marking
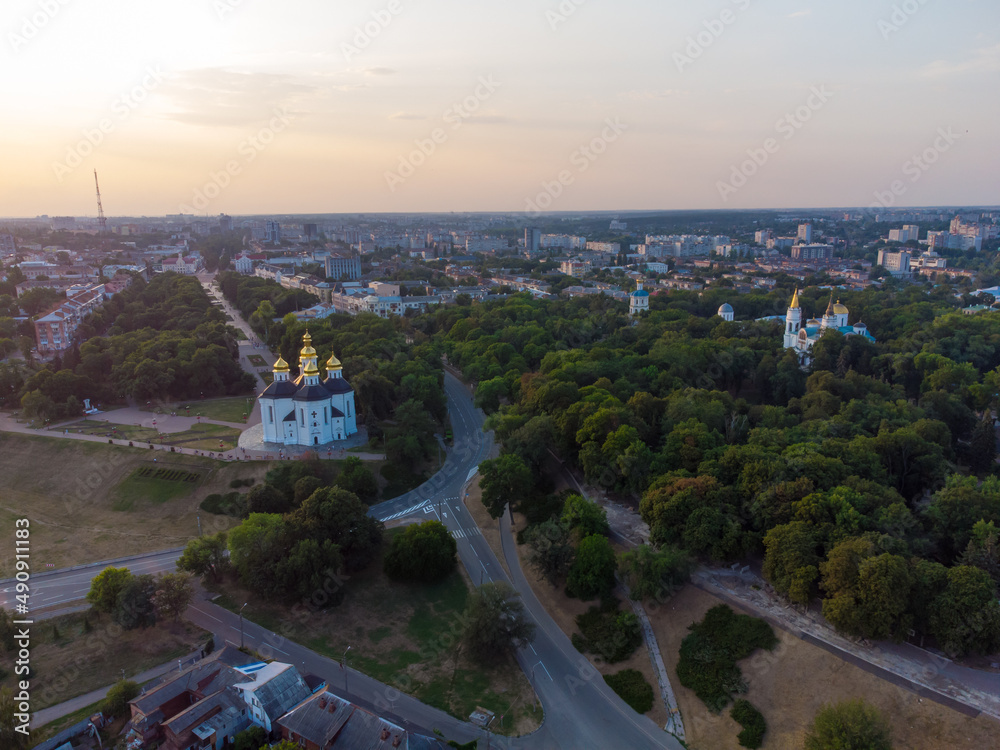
(458,533)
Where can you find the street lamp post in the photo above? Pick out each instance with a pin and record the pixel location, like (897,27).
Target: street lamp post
(343,665)
(241,623)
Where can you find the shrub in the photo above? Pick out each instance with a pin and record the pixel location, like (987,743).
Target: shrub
(593,571)
(115,703)
(611,634)
(752,721)
(632,688)
(709,654)
(851,725)
(252,738)
(231,504)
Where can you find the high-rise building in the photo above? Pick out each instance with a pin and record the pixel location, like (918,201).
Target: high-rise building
(806,233)
(812,252)
(310,230)
(225,223)
(272,232)
(898,264)
(532,239)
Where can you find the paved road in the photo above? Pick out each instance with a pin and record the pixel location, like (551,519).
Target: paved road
(72,584)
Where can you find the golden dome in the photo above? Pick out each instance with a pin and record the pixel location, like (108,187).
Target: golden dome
(840,309)
(333,363)
(310,368)
(795,301)
(281,365)
(307,350)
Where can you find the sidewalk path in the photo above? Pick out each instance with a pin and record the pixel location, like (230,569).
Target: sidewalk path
(46,715)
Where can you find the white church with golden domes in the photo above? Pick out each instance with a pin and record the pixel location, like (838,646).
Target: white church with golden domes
(801,336)
(308,410)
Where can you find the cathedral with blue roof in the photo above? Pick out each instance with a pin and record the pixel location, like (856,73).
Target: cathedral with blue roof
(801,336)
(308,410)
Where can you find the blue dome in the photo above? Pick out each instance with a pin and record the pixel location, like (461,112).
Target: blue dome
(640,293)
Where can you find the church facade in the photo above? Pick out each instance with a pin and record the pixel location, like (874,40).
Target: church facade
(308,410)
(801,335)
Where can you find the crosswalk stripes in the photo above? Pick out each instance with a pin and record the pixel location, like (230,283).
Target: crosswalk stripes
(463,533)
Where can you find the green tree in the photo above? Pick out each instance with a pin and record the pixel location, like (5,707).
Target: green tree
(172,595)
(654,574)
(303,488)
(205,556)
(850,725)
(983,448)
(592,573)
(495,622)
(115,703)
(306,569)
(134,607)
(983,551)
(585,516)
(965,617)
(357,478)
(791,560)
(339,516)
(549,548)
(422,553)
(251,738)
(504,480)
(265,498)
(105,588)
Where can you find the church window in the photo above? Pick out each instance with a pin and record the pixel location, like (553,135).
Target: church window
(270,411)
(302,417)
(348,407)
(326,417)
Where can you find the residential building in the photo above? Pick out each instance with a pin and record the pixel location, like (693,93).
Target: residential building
(244,262)
(7,245)
(54,331)
(805,233)
(225,223)
(574,268)
(762,236)
(604,247)
(311,231)
(898,264)
(812,252)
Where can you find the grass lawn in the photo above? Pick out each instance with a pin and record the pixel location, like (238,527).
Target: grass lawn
(240,336)
(68,659)
(405,636)
(256,360)
(68,490)
(267,376)
(221,409)
(154,484)
(200,436)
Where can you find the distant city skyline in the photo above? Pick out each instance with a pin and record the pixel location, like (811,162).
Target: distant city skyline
(243,107)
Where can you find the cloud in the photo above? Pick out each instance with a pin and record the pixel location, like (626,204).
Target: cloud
(799,14)
(985,59)
(218,97)
(407,116)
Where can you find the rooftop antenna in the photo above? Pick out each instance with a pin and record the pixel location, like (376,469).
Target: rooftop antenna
(101,221)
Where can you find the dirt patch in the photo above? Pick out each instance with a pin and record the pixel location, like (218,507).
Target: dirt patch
(66,488)
(74,654)
(790,685)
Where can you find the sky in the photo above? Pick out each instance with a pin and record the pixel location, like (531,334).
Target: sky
(314,106)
